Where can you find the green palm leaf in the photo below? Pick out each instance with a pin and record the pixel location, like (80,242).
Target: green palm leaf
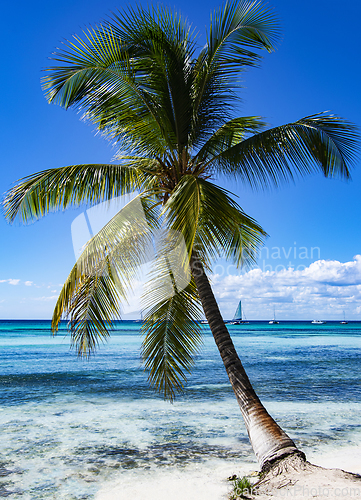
(235,29)
(93,307)
(238,26)
(231,133)
(145,83)
(211,222)
(319,142)
(162,45)
(103,274)
(171,332)
(106,85)
(59,188)
(172,337)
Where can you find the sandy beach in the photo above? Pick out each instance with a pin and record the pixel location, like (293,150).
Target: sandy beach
(210,482)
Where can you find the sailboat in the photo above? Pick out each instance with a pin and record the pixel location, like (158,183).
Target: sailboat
(237,318)
(141,318)
(344,322)
(273,321)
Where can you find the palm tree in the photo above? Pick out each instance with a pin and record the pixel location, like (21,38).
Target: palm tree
(168,105)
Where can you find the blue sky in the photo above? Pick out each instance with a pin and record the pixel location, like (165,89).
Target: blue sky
(316,68)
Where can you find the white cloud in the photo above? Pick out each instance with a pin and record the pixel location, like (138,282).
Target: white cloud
(45,299)
(11,281)
(322,290)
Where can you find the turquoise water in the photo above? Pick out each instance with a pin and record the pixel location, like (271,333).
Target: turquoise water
(71,426)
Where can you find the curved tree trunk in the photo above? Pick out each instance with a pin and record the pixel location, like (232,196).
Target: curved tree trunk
(268,440)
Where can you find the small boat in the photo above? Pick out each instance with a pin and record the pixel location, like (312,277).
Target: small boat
(274,321)
(318,322)
(344,322)
(204,322)
(237,318)
(141,320)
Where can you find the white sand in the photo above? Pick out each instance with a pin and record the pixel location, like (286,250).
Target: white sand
(203,482)
(208,481)
(347,458)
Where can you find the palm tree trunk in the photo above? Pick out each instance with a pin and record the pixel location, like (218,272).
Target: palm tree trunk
(268,440)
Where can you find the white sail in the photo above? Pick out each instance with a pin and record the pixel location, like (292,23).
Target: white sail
(238,314)
(273,321)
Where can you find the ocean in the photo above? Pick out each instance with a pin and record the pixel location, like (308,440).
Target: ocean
(93,429)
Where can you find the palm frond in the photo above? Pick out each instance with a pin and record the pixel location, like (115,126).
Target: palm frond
(321,142)
(170,271)
(136,79)
(171,333)
(59,188)
(98,76)
(172,338)
(229,134)
(211,222)
(93,307)
(235,28)
(103,274)
(225,230)
(182,209)
(131,76)
(163,45)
